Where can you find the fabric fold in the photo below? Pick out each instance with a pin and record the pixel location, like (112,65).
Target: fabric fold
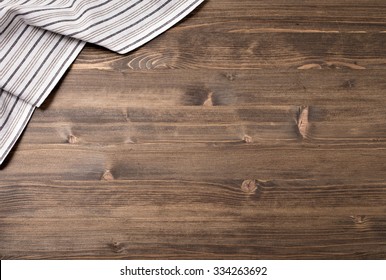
(14,116)
(120,26)
(34,61)
(39,39)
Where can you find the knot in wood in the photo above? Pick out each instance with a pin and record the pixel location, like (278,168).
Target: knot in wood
(116,247)
(302,121)
(230,76)
(107,176)
(247,139)
(359,219)
(72,139)
(249,186)
(209,101)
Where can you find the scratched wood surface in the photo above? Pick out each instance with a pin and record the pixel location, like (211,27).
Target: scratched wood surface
(253,129)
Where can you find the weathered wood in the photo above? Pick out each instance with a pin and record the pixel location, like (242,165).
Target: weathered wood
(163,219)
(171,88)
(253,129)
(171,106)
(232,50)
(202,162)
(259,34)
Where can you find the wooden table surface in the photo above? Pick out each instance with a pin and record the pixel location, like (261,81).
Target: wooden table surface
(253,129)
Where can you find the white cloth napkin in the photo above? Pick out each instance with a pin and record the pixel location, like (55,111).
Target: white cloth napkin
(39,39)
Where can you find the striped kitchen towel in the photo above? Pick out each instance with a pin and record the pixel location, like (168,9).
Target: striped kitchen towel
(39,39)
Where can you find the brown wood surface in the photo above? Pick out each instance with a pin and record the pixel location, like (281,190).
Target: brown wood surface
(253,129)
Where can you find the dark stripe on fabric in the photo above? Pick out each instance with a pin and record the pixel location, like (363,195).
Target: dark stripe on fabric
(14,43)
(41,66)
(62,51)
(24,59)
(103,21)
(8,116)
(135,23)
(75,19)
(14,116)
(57,72)
(6,101)
(22,3)
(34,11)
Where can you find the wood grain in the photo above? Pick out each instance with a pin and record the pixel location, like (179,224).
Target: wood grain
(253,130)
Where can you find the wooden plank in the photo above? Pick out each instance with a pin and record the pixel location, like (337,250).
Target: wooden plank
(270,235)
(344,107)
(197,161)
(110,197)
(170,88)
(172,219)
(326,134)
(246,51)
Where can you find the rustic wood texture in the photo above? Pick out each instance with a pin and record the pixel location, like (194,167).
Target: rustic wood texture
(253,129)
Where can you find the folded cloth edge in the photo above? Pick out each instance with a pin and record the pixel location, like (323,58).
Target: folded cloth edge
(15,112)
(15,115)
